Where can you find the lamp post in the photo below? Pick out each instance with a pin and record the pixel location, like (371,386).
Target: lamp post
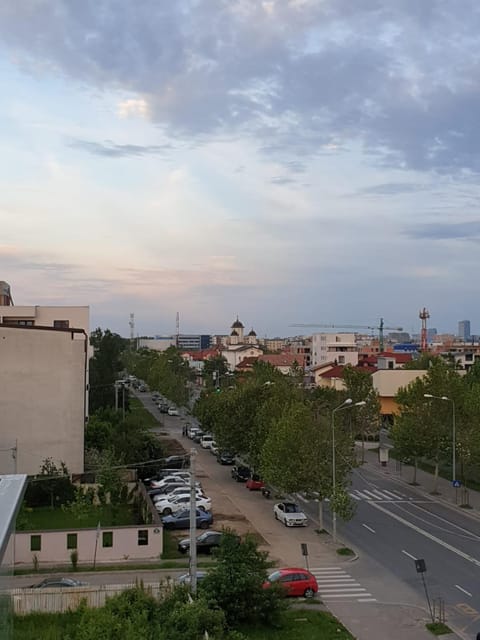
(346,404)
(454,460)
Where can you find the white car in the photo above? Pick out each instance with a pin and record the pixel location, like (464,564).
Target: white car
(173,412)
(290,514)
(206,441)
(180,503)
(183,476)
(175,493)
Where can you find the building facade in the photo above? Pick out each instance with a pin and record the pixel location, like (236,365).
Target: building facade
(43,401)
(464,330)
(338,348)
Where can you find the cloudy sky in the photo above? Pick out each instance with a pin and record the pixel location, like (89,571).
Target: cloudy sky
(289,161)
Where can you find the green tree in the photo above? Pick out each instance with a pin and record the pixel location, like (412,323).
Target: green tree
(105,368)
(234,584)
(186,618)
(364,420)
(215,373)
(51,487)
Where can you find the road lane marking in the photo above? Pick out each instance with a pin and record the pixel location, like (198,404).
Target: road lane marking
(369,528)
(396,494)
(343,595)
(463,590)
(430,536)
(471,535)
(409,554)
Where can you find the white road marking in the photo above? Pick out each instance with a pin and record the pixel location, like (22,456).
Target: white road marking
(430,536)
(370,494)
(367,599)
(300,497)
(464,590)
(355,497)
(335,582)
(342,595)
(408,554)
(395,494)
(369,528)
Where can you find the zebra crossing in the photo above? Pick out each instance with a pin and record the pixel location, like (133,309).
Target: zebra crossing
(379,495)
(334,583)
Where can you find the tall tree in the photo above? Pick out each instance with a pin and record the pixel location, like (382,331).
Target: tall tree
(105,368)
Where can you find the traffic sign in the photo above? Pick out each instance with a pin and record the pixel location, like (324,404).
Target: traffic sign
(456,483)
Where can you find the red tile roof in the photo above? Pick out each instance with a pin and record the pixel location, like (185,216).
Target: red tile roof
(284,359)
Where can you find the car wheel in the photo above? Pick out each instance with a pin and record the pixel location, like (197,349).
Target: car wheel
(202,508)
(167,511)
(204,525)
(285,523)
(309,593)
(275,514)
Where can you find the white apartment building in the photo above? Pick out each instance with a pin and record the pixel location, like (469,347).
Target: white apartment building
(44,354)
(340,348)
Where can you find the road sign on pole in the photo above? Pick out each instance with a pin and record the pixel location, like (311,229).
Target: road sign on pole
(456,484)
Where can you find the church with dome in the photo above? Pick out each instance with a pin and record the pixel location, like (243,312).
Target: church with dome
(237,335)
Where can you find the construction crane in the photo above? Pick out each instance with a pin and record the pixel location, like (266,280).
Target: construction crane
(381,327)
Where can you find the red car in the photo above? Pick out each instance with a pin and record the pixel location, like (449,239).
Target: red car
(297,582)
(255,483)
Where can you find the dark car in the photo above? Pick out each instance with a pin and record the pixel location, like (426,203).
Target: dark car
(181,520)
(225,457)
(206,541)
(176,462)
(163,408)
(241,473)
(185,578)
(55,583)
(255,483)
(198,436)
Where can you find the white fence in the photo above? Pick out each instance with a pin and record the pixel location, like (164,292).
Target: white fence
(60,600)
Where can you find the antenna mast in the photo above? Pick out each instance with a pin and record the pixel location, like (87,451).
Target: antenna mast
(177,330)
(423,315)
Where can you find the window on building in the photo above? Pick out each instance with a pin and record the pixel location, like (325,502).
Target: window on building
(341,359)
(71,540)
(390,364)
(18,323)
(35,543)
(107,539)
(142,537)
(61,324)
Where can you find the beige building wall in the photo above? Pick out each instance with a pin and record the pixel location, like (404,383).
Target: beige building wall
(338,347)
(77,317)
(125,545)
(42,397)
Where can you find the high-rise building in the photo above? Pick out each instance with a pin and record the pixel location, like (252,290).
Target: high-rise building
(464,330)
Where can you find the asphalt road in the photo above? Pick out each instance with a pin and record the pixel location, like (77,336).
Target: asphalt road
(394,525)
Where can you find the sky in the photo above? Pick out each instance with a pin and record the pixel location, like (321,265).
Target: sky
(286,161)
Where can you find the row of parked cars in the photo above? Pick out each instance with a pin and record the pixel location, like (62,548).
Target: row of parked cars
(163,405)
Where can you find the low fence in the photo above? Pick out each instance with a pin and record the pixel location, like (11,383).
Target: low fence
(60,600)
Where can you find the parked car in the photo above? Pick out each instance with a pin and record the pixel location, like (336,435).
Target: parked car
(163,408)
(63,583)
(225,457)
(172,411)
(185,578)
(178,503)
(255,483)
(240,473)
(185,476)
(181,519)
(296,582)
(177,491)
(214,449)
(206,441)
(290,514)
(197,437)
(168,488)
(176,462)
(206,541)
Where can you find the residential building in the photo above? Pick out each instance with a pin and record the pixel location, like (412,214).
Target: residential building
(387,382)
(273,344)
(340,348)
(184,341)
(234,354)
(39,316)
(43,383)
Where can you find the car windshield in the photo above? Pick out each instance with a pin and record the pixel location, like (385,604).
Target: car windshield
(291,508)
(273,577)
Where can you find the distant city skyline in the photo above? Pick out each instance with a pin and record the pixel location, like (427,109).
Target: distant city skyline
(292,161)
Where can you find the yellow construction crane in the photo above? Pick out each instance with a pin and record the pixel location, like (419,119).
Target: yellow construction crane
(381,327)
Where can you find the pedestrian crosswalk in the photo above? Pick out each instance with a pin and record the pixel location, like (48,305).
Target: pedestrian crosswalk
(334,583)
(379,495)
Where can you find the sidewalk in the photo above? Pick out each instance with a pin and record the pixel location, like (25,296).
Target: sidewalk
(446,492)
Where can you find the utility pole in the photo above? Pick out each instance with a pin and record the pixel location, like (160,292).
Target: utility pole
(193,523)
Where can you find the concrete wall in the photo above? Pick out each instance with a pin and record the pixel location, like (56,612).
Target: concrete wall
(78,317)
(42,397)
(125,545)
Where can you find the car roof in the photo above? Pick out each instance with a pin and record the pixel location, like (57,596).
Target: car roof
(293,570)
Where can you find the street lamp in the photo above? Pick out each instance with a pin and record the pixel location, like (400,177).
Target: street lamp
(346,404)
(454,461)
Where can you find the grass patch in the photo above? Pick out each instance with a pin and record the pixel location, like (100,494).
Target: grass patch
(138,411)
(47,626)
(170,544)
(46,518)
(321,531)
(438,628)
(345,551)
(302,625)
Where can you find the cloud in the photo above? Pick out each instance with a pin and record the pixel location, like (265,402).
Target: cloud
(298,77)
(447,231)
(110,149)
(392,189)
(282,180)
